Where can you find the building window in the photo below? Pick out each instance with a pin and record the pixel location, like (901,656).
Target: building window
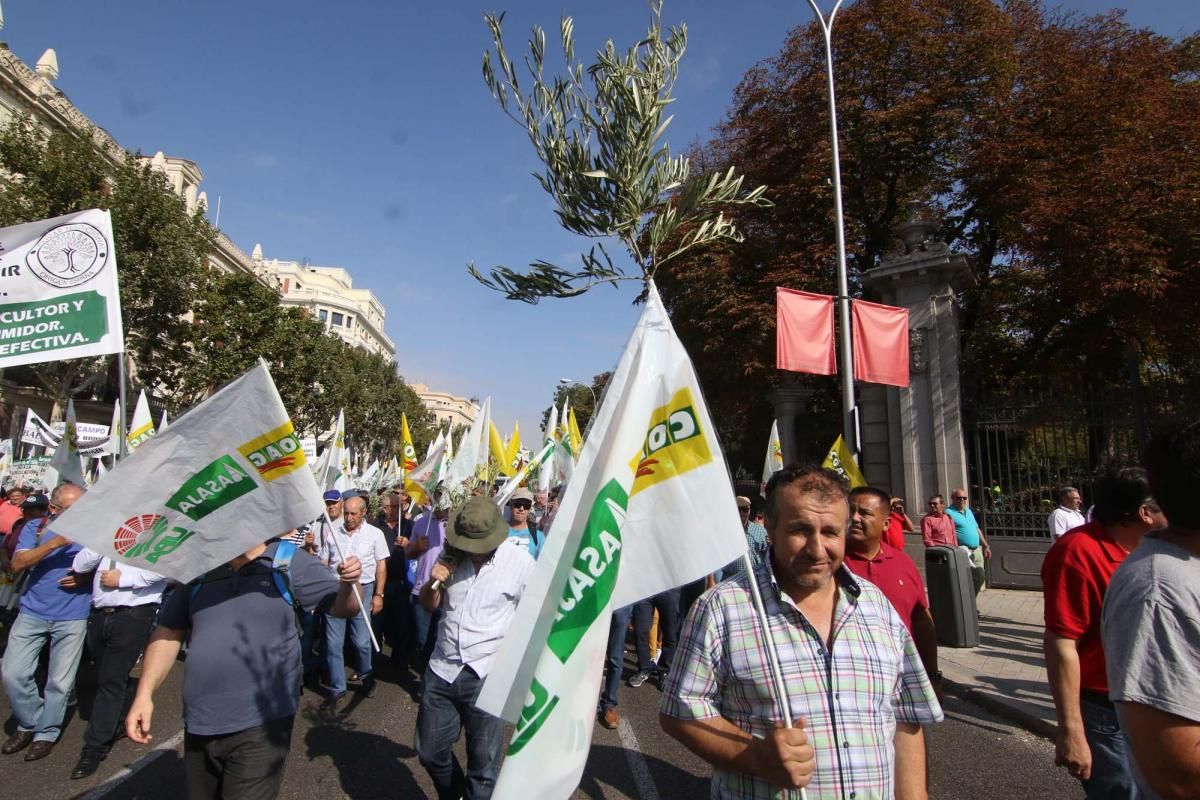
(337,319)
(323,314)
(349,321)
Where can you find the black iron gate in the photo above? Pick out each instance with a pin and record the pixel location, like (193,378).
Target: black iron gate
(1022,446)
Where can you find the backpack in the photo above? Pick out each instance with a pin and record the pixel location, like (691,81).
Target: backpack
(281,565)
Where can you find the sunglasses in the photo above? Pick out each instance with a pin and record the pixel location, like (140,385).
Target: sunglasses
(960,497)
(523,505)
(332,502)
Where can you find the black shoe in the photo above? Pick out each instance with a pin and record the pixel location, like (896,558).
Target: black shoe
(639,677)
(368,686)
(38,750)
(18,741)
(331,700)
(88,764)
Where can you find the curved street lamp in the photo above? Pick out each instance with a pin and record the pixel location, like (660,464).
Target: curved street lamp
(572,381)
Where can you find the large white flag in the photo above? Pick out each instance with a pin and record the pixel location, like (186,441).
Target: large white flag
(421,482)
(336,457)
(228,475)
(546,466)
(774,460)
(650,507)
(66,458)
(142,428)
(471,447)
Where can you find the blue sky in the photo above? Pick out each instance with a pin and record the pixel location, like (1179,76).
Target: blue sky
(361,135)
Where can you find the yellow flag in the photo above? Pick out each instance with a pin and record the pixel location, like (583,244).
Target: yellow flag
(840,461)
(410,452)
(573,431)
(496,450)
(512,453)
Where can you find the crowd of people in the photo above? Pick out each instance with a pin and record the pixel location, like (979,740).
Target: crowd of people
(846,607)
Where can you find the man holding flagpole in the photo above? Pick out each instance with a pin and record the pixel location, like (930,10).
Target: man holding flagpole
(854,680)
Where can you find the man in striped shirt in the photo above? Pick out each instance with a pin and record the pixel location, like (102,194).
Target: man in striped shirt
(855,684)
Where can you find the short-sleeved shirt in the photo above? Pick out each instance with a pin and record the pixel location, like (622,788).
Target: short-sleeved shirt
(427,526)
(896,576)
(1075,576)
(43,598)
(852,696)
(243,667)
(1151,627)
(367,543)
(966,529)
(531,538)
(938,531)
(894,533)
(1063,519)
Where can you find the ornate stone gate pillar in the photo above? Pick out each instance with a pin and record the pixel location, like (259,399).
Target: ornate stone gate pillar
(913,437)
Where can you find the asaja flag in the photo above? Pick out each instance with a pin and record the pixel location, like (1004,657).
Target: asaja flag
(66,458)
(227,476)
(142,428)
(573,433)
(496,450)
(841,461)
(774,459)
(650,507)
(472,447)
(421,482)
(547,470)
(337,457)
(513,450)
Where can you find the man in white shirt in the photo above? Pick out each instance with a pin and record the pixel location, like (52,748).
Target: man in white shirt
(356,537)
(477,583)
(1066,517)
(125,601)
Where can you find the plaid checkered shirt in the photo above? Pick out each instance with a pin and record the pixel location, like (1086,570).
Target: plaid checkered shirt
(851,696)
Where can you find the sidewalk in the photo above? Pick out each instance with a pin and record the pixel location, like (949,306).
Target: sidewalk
(1006,672)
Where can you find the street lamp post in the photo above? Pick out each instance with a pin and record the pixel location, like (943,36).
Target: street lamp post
(572,381)
(849,428)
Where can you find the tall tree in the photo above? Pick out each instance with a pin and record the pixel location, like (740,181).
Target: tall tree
(1059,150)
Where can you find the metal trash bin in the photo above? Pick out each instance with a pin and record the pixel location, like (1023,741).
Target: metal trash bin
(952,596)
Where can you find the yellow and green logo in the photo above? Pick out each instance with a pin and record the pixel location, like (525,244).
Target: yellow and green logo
(276,453)
(674,444)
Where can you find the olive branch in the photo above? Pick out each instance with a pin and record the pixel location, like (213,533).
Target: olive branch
(606,165)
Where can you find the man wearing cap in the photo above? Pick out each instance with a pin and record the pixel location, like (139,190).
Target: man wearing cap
(355,537)
(53,612)
(477,584)
(521,525)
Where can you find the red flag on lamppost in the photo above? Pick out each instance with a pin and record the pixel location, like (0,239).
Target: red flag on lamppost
(804,332)
(880,343)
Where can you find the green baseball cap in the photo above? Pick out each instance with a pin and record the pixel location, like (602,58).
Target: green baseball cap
(477,527)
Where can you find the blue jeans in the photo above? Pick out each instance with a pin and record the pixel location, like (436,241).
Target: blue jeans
(335,642)
(421,625)
(615,662)
(447,708)
(43,716)
(667,604)
(1111,778)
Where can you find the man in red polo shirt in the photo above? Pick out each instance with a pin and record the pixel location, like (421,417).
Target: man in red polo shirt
(1075,575)
(937,529)
(869,556)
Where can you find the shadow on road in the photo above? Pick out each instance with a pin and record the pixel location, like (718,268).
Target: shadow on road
(369,765)
(162,777)
(611,763)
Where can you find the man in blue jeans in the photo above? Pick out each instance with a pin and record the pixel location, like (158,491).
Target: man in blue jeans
(49,613)
(667,605)
(614,666)
(478,592)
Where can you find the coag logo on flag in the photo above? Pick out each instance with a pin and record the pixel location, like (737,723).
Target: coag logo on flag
(276,452)
(532,716)
(674,443)
(221,482)
(127,534)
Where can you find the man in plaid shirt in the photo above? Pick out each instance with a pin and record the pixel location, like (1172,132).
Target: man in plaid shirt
(855,684)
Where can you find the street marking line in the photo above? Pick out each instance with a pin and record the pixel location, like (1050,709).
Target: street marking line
(125,773)
(646,790)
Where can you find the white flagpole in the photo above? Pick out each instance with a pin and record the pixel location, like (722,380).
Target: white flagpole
(123,446)
(357,588)
(781,697)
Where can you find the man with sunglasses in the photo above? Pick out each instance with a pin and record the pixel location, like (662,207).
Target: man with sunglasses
(520,525)
(937,529)
(969,535)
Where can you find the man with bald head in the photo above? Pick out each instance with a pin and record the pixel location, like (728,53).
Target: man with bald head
(355,536)
(54,611)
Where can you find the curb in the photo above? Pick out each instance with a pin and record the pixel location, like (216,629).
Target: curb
(1002,708)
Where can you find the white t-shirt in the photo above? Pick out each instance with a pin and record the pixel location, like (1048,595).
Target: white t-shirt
(366,542)
(1064,519)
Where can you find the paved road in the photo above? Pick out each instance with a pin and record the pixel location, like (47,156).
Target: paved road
(364,750)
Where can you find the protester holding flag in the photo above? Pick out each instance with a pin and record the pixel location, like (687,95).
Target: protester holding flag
(53,612)
(397,613)
(241,685)
(425,547)
(835,637)
(478,592)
